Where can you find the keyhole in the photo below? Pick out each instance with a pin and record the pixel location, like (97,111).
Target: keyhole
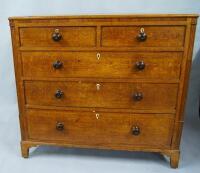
(57,30)
(97,116)
(142,30)
(98,86)
(98,56)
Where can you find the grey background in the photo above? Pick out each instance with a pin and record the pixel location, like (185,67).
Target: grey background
(78,160)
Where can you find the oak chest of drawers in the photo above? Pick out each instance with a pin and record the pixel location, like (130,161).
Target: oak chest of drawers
(110,82)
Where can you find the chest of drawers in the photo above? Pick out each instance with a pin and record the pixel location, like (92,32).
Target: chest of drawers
(108,82)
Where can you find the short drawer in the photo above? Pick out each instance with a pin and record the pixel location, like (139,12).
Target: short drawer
(164,65)
(58,36)
(143,36)
(107,129)
(101,94)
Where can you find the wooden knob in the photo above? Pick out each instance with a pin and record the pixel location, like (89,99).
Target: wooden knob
(60,126)
(136,130)
(57,65)
(59,94)
(138,96)
(56,36)
(142,36)
(140,65)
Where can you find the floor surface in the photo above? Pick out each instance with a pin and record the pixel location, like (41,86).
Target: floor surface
(54,159)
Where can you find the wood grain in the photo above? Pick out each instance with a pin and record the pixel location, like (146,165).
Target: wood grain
(109,95)
(157,36)
(85,128)
(71,37)
(98,109)
(108,65)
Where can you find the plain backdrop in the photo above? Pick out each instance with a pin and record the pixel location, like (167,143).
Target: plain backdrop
(9,127)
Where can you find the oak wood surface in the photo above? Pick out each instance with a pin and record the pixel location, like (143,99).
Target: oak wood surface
(98,90)
(71,37)
(102,64)
(157,36)
(104,16)
(109,95)
(85,128)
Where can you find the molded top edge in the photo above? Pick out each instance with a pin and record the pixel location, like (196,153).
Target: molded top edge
(89,16)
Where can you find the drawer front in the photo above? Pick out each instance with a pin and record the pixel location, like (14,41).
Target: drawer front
(105,129)
(102,64)
(69,36)
(104,94)
(155,36)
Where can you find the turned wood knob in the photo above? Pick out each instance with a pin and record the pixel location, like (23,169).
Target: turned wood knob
(57,65)
(142,36)
(60,126)
(56,36)
(59,94)
(138,96)
(136,130)
(140,65)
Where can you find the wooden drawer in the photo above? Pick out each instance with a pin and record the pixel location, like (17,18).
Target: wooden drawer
(71,36)
(102,94)
(105,129)
(102,64)
(157,36)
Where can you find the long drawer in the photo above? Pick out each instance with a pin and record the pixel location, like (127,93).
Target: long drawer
(143,36)
(101,94)
(92,128)
(71,36)
(102,64)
